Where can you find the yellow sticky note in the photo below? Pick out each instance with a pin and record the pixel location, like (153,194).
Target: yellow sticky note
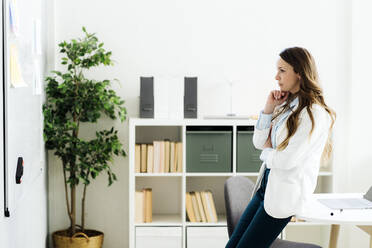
(16,78)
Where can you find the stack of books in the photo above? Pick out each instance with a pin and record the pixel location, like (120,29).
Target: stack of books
(143,205)
(158,157)
(200,206)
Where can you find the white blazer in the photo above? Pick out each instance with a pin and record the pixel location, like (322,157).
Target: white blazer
(294,170)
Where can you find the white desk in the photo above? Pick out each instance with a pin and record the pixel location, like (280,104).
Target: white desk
(362,218)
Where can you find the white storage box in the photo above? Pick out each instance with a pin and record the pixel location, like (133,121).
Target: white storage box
(201,237)
(159,237)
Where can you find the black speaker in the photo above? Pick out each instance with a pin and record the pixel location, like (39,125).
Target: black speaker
(147,97)
(190,99)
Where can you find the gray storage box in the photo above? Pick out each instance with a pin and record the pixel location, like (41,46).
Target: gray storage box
(209,149)
(247,156)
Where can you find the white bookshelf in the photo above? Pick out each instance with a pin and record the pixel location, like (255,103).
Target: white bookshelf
(169,189)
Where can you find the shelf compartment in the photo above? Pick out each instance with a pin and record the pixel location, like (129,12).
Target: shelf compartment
(247,156)
(212,183)
(209,149)
(164,143)
(166,197)
(147,134)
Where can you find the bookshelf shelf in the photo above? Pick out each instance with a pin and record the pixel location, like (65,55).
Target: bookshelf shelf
(158,174)
(194,174)
(169,189)
(221,222)
(164,220)
(247,174)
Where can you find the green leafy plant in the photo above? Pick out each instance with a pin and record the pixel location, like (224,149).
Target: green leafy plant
(72,99)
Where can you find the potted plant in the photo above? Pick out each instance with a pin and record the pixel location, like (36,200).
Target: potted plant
(73,99)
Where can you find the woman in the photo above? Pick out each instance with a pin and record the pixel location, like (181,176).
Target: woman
(294,132)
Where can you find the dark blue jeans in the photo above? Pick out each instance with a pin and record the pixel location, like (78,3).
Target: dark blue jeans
(257,229)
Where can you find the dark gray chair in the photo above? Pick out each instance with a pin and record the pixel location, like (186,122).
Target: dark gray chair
(237,192)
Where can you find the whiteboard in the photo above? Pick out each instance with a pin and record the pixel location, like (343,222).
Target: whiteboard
(22,120)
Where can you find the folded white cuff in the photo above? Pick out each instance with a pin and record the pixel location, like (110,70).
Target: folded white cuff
(264,121)
(265,153)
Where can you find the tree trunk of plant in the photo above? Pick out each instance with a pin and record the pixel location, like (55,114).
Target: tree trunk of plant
(83,209)
(66,191)
(73,210)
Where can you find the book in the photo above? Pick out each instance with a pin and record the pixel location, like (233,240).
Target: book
(156,166)
(195,206)
(148,205)
(179,156)
(139,211)
(172,157)
(212,206)
(143,158)
(205,206)
(166,156)
(175,156)
(150,158)
(200,206)
(137,158)
(189,209)
(209,207)
(161,155)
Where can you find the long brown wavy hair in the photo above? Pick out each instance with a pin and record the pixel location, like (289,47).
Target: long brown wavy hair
(310,92)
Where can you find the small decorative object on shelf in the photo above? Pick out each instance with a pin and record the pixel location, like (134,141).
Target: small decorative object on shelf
(147,97)
(191,97)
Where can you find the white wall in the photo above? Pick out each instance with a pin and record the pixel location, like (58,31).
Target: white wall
(214,40)
(27,224)
(360,156)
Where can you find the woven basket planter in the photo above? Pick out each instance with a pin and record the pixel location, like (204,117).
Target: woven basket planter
(89,239)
